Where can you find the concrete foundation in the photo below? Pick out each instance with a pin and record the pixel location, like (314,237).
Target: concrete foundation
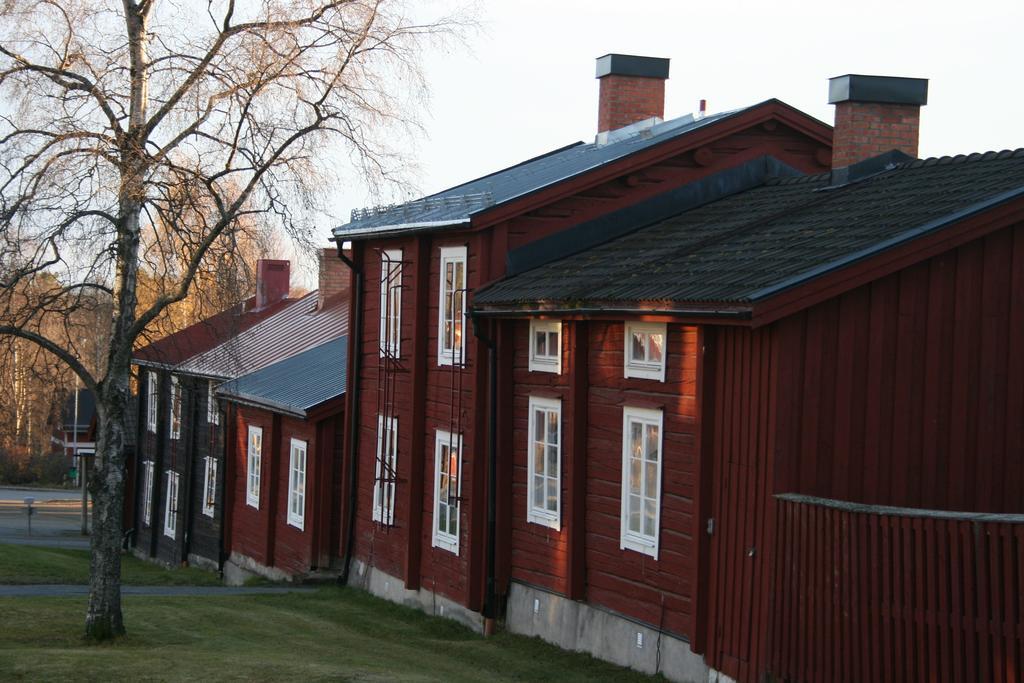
(239,568)
(202,562)
(390,588)
(578,626)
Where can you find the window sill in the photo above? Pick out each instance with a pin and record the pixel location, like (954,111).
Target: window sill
(297,523)
(543,520)
(446,542)
(551,366)
(642,546)
(636,372)
(253,503)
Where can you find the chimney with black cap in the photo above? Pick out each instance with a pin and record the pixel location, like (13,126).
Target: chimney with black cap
(875,114)
(632,90)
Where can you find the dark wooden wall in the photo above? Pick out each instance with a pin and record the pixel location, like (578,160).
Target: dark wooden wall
(909,391)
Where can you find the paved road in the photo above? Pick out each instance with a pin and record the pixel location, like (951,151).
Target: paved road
(64,590)
(57,520)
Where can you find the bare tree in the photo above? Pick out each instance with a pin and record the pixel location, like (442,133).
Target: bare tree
(123,116)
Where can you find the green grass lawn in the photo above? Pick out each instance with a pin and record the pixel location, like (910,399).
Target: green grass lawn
(332,634)
(22,564)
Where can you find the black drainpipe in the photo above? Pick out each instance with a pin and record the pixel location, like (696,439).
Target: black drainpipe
(352,388)
(490,600)
(224,432)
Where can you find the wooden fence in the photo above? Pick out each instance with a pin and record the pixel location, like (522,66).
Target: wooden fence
(872,593)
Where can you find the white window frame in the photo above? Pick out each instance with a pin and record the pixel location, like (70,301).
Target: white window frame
(643,368)
(534,513)
(171,504)
(391,309)
(210,487)
(212,414)
(147,504)
(387,452)
(152,396)
(546,362)
(253,467)
(636,539)
(451,355)
(175,407)
(445,539)
(297,468)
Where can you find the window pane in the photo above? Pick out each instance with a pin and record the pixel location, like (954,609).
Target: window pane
(460,276)
(651,481)
(552,502)
(654,349)
(553,346)
(552,468)
(649,513)
(634,513)
(538,491)
(538,458)
(541,346)
(652,443)
(637,349)
(538,425)
(553,427)
(636,438)
(634,475)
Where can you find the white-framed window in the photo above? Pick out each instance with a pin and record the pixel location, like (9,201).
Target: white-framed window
(171,508)
(297,484)
(451,315)
(253,465)
(212,414)
(210,487)
(447,488)
(390,302)
(546,346)
(545,462)
(386,470)
(641,479)
(152,393)
(175,408)
(147,494)
(645,350)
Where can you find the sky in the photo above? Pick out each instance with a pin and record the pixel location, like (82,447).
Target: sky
(523,84)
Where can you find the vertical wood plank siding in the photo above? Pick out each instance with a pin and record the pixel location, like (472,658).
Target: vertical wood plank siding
(861,595)
(907,391)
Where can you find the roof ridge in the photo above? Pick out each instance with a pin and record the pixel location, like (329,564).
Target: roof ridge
(945,160)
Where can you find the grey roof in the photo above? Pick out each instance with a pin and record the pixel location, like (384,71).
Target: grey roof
(295,384)
(294,328)
(458,204)
(761,241)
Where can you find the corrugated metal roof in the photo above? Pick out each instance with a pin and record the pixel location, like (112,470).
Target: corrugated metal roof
(205,334)
(294,329)
(458,204)
(753,244)
(295,384)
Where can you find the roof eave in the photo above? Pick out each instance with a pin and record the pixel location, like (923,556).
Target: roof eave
(341,234)
(711,311)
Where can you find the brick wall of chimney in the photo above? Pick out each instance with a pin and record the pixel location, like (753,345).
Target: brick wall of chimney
(334,275)
(272,281)
(867,129)
(624,100)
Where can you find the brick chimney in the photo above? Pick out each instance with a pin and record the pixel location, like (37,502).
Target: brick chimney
(875,114)
(334,275)
(632,89)
(272,281)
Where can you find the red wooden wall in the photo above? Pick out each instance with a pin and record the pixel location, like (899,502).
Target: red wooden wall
(868,596)
(264,535)
(907,391)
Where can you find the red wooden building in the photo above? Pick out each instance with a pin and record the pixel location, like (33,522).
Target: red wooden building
(788,431)
(284,463)
(664,399)
(416,524)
